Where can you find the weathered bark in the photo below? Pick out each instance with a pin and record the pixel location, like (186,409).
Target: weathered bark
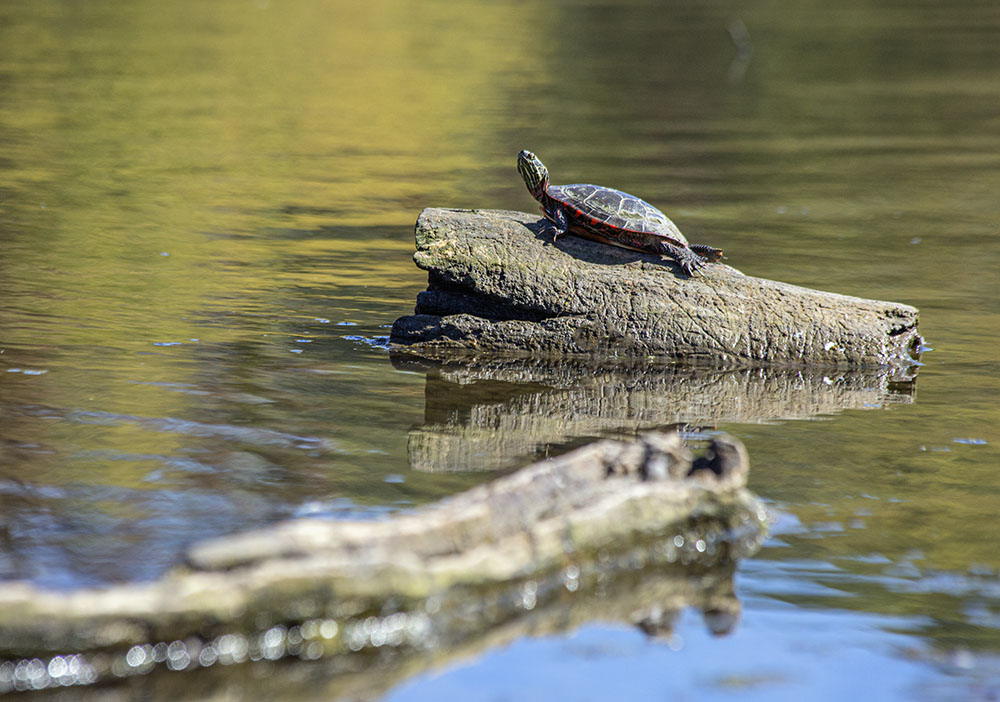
(340,584)
(497,284)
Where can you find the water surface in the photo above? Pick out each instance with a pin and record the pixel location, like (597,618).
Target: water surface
(206,228)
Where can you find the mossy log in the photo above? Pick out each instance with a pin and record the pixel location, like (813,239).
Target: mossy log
(416,579)
(499,284)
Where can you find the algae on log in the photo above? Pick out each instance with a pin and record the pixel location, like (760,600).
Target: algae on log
(498,284)
(416,579)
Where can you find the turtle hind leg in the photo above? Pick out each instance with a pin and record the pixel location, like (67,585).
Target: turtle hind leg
(688,259)
(709,253)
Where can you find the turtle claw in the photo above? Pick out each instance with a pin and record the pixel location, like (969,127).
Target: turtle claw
(687,259)
(551,229)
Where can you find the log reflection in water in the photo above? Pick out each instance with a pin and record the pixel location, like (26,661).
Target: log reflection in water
(489,415)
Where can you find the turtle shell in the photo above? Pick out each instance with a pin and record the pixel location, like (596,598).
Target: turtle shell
(609,211)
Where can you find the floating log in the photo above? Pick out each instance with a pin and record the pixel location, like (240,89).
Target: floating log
(311,588)
(498,284)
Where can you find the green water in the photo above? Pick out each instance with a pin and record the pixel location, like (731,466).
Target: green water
(206,219)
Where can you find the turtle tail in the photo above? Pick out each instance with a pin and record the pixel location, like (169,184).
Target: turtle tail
(709,253)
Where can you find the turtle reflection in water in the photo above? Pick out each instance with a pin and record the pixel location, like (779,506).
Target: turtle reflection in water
(611,216)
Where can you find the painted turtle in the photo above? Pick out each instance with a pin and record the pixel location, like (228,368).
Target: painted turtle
(610,216)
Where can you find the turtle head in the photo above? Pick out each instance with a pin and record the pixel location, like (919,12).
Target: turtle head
(534,172)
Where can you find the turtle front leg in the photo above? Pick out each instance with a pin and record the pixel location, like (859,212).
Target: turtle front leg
(559,223)
(688,259)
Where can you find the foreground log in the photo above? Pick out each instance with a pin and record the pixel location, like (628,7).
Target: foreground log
(498,285)
(311,589)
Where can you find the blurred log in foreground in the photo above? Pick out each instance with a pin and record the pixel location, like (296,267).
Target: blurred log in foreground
(437,580)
